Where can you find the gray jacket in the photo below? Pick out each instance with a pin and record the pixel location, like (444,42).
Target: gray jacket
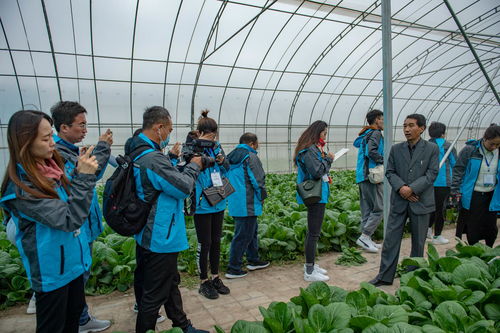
(418,172)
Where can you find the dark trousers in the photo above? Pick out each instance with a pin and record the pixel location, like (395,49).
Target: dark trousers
(156,283)
(315,214)
(244,241)
(479,221)
(209,231)
(58,311)
(441,195)
(393,237)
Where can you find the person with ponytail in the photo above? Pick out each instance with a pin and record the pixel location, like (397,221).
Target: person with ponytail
(313,162)
(48,211)
(208,219)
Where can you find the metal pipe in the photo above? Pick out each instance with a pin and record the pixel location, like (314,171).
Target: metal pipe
(387,98)
(472,50)
(448,152)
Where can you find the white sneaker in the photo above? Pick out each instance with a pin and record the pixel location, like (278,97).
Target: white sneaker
(366,243)
(32,305)
(378,246)
(317,269)
(429,233)
(94,325)
(315,276)
(439,240)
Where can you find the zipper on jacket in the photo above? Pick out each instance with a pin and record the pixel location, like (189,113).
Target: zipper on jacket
(61,270)
(171,225)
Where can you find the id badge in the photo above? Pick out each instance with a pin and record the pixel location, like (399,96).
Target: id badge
(325,178)
(76,233)
(489,180)
(216,178)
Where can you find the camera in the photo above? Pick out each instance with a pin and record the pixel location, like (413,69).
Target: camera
(196,147)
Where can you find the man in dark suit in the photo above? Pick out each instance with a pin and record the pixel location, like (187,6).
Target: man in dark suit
(411,170)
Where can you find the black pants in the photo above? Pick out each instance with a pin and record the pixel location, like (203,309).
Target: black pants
(59,311)
(441,195)
(315,214)
(208,231)
(479,221)
(156,283)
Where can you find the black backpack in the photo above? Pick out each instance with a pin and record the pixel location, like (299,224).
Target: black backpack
(124,212)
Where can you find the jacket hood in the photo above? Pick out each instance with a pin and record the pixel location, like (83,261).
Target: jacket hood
(473,142)
(139,141)
(239,153)
(362,134)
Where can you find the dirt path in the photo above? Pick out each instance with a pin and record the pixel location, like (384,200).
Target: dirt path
(277,283)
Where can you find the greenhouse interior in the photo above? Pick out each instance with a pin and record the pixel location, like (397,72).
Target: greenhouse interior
(270,67)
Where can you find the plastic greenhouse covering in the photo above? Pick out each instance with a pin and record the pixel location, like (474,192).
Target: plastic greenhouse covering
(269,67)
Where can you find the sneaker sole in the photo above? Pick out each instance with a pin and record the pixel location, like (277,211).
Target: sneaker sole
(315,280)
(95,329)
(366,247)
(234,276)
(254,268)
(208,297)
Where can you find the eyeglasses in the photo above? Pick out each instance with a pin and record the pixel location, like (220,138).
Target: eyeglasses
(81,125)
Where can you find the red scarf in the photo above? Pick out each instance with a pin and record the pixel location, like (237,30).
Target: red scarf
(50,169)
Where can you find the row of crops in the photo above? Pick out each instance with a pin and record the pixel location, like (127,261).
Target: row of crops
(282,231)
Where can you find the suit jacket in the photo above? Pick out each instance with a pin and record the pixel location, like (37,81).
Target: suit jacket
(418,172)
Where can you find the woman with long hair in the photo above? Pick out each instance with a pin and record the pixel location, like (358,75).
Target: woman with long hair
(208,218)
(48,211)
(314,163)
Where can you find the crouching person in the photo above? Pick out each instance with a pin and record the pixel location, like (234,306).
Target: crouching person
(48,211)
(164,235)
(245,205)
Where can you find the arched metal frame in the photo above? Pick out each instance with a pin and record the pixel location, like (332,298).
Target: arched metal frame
(435,104)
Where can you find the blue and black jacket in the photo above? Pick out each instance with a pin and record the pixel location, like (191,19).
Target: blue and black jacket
(53,250)
(466,171)
(205,181)
(248,178)
(312,165)
(370,144)
(70,153)
(445,173)
(165,230)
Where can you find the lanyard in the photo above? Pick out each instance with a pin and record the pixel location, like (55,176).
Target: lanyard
(486,159)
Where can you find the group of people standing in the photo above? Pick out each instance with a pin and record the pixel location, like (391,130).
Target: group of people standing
(421,189)
(49,195)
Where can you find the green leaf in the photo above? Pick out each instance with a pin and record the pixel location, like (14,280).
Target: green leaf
(432,329)
(320,291)
(476,284)
(474,298)
(340,314)
(319,318)
(242,326)
(362,322)
(415,261)
(20,283)
(308,297)
(390,314)
(432,255)
(492,311)
(404,328)
(357,300)
(337,294)
(449,315)
(448,264)
(465,272)
(377,328)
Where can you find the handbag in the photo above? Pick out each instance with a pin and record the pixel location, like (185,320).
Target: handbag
(216,194)
(376,174)
(310,191)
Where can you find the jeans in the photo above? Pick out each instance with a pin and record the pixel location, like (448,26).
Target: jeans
(85,317)
(315,215)
(244,241)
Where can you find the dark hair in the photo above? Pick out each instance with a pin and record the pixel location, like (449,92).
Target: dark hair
(65,112)
(248,137)
(436,129)
(206,124)
(421,122)
(373,115)
(154,115)
(309,137)
(492,132)
(22,131)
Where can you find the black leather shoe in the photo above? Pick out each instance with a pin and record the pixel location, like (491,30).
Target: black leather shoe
(377,282)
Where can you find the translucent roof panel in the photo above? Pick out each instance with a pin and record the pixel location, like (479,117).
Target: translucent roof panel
(269,66)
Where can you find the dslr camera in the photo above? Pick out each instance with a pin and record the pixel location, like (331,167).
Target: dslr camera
(196,147)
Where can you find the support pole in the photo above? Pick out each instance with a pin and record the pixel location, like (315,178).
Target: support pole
(464,35)
(448,152)
(387,97)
